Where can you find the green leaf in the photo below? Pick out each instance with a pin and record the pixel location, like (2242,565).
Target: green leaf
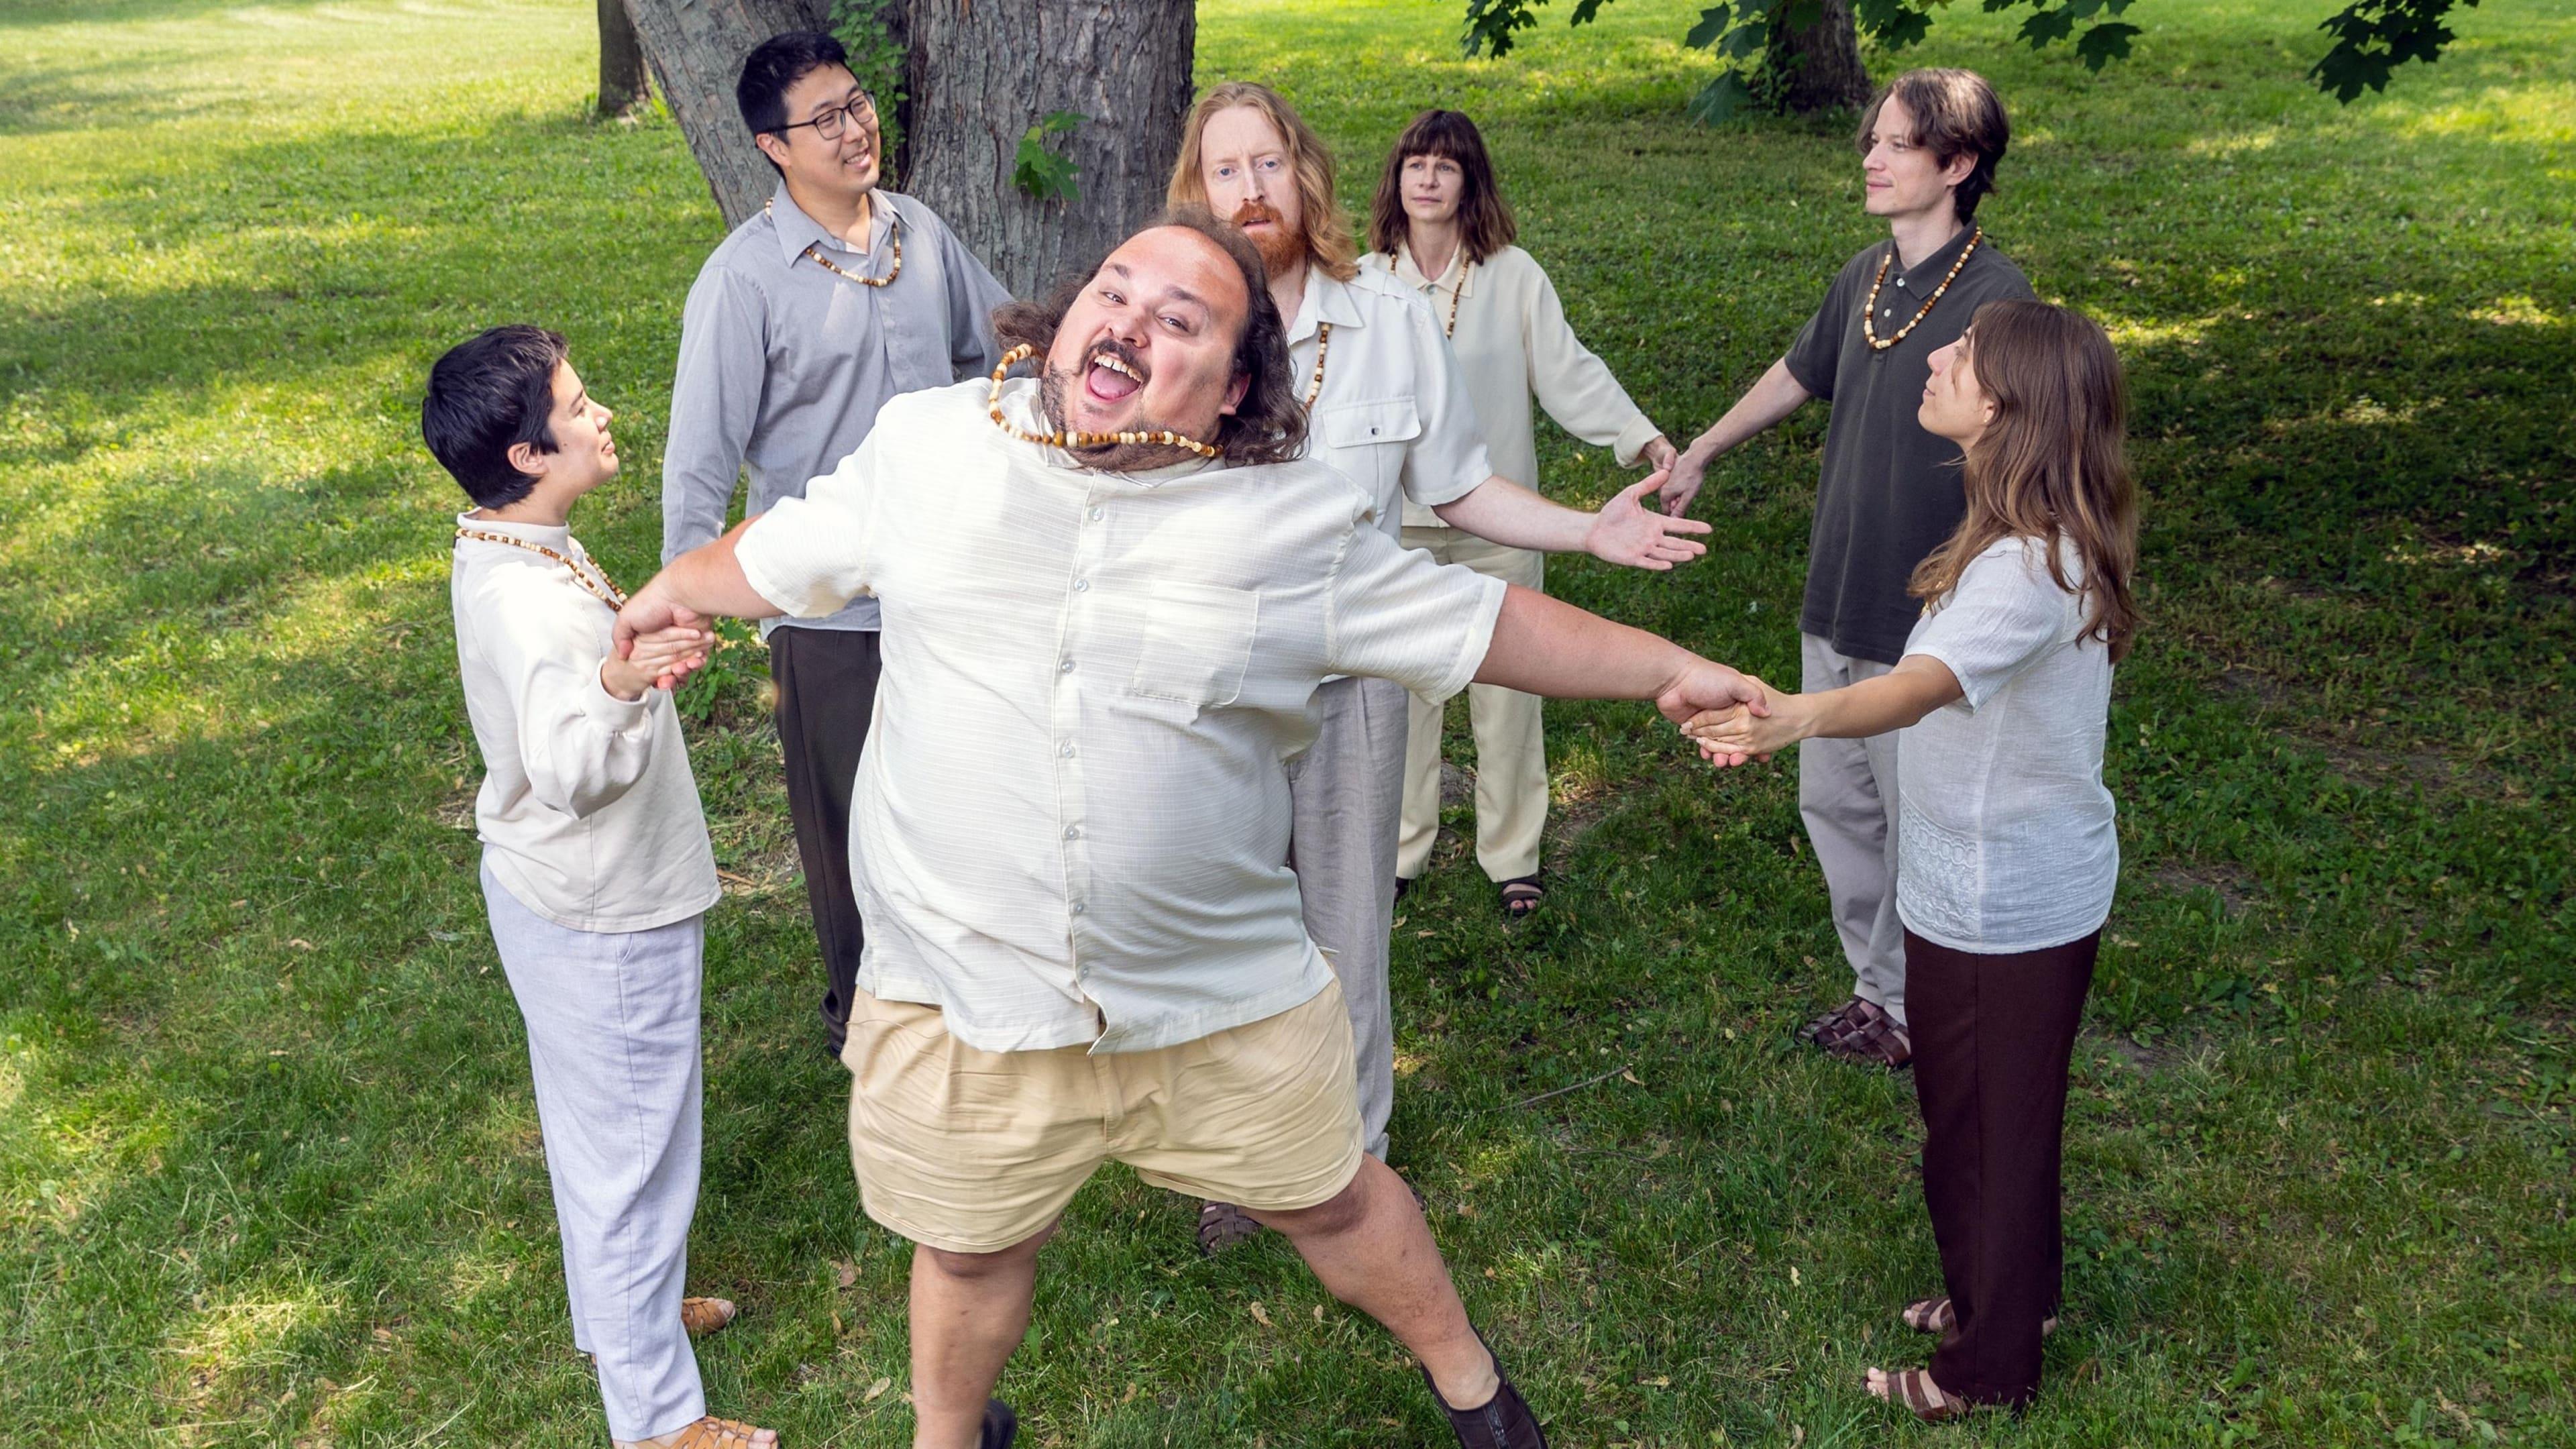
(1490,24)
(1042,173)
(1586,10)
(2105,42)
(2045,26)
(1712,24)
(1719,100)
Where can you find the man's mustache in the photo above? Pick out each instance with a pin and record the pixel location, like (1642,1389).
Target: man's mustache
(1254,209)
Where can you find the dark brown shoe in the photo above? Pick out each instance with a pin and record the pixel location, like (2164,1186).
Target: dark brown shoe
(1501,1422)
(1001,1426)
(1222,1225)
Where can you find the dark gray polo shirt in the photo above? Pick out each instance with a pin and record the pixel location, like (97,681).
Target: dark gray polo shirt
(1890,490)
(783,363)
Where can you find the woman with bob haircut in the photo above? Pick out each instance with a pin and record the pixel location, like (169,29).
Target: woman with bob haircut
(1440,225)
(2007,851)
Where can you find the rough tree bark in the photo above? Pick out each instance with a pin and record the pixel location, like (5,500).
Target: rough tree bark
(623,81)
(982,72)
(1818,68)
(697,48)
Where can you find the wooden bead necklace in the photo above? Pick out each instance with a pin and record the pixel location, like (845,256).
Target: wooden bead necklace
(1451,331)
(1869,309)
(894,224)
(1323,345)
(596,580)
(1063,439)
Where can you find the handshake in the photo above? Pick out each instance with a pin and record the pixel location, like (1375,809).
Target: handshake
(660,659)
(1749,730)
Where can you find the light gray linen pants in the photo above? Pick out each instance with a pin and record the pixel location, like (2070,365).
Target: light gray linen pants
(1847,796)
(1348,790)
(613,1040)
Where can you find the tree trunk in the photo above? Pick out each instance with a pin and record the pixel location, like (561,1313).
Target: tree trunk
(697,48)
(623,82)
(1817,68)
(982,72)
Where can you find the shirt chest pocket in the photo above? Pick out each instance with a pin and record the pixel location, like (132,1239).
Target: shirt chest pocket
(1197,643)
(1367,440)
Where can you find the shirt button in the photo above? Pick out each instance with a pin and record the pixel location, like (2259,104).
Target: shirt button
(1065,750)
(1065,668)
(1082,586)
(1073,832)
(1098,514)
(1077,908)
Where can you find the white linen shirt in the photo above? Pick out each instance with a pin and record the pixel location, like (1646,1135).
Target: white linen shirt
(1072,813)
(588,813)
(1394,414)
(1512,340)
(2006,838)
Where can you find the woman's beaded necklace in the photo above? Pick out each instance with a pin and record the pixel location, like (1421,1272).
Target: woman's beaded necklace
(596,580)
(1869,309)
(894,224)
(1063,439)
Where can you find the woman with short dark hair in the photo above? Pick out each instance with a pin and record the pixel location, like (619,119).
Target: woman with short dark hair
(1440,225)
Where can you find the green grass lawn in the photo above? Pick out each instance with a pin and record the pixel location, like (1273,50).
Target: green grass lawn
(269,1168)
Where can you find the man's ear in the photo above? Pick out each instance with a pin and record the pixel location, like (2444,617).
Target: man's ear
(528,458)
(1959,168)
(771,146)
(1234,392)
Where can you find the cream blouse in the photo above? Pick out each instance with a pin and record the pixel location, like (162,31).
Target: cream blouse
(1512,340)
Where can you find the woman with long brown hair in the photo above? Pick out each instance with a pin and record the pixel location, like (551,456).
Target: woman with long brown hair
(1439,225)
(2007,854)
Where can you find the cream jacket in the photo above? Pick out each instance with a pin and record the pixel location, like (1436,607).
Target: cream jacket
(1513,340)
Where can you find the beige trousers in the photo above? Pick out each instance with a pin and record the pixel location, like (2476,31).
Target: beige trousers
(1511,745)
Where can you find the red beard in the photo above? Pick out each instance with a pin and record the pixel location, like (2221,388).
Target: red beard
(1280,249)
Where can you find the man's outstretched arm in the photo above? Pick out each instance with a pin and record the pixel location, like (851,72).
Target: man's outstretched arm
(1549,647)
(698,585)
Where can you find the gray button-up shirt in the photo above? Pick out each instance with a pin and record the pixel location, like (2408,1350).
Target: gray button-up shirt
(783,364)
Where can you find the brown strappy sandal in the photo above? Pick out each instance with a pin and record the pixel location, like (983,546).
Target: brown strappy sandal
(1520,897)
(1222,1225)
(1914,1389)
(714,1433)
(1830,1027)
(702,1316)
(1874,1037)
(1934,1315)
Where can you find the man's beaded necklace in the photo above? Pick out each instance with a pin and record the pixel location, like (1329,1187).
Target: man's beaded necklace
(596,580)
(1069,440)
(1869,309)
(1323,345)
(894,224)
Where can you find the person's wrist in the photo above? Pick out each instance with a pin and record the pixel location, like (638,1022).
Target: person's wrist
(622,680)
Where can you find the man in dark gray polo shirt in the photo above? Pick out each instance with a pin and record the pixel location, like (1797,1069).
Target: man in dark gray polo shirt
(838,296)
(1889,495)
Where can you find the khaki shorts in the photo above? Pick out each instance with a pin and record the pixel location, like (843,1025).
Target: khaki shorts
(975,1151)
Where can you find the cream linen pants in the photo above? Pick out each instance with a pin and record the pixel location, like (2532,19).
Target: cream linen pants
(1511,743)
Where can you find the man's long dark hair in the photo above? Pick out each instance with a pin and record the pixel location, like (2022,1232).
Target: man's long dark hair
(1269,425)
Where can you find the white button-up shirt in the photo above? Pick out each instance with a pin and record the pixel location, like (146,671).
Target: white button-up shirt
(1071,819)
(1394,413)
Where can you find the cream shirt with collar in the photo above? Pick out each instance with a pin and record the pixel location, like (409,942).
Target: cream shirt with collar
(1073,810)
(1394,414)
(1512,340)
(588,813)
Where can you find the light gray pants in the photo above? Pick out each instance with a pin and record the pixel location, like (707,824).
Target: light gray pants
(1349,792)
(1847,796)
(613,1040)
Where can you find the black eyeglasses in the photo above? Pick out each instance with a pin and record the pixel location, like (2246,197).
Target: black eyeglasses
(829,124)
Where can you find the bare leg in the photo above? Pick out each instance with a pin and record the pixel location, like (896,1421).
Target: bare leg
(969,1310)
(1370,1246)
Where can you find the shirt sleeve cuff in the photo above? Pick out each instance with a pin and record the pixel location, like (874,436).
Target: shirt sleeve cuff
(610,712)
(1974,689)
(772,582)
(1633,439)
(1479,640)
(1473,471)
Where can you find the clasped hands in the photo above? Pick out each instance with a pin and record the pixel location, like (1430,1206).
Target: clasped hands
(658,656)
(1754,728)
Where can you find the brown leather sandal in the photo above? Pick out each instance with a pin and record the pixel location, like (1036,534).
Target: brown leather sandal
(1934,1315)
(702,1316)
(714,1433)
(1915,1391)
(1520,897)
(1832,1026)
(1222,1225)
(1873,1037)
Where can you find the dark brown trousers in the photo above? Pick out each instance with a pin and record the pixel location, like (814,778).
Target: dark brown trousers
(827,693)
(1992,1038)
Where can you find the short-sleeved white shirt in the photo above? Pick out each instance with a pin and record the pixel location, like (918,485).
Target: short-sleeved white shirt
(1394,414)
(2006,838)
(1072,817)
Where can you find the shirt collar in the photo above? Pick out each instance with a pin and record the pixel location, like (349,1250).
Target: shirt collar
(797,231)
(1936,266)
(1328,299)
(1020,409)
(1460,274)
(557,536)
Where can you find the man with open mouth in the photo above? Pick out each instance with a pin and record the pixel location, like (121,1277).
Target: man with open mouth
(1110,596)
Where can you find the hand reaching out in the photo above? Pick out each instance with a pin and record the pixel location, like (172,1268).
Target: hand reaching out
(1626,531)
(661,658)
(1685,473)
(1707,690)
(1758,728)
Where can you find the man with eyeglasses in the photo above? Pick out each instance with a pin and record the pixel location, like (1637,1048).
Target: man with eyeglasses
(838,296)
